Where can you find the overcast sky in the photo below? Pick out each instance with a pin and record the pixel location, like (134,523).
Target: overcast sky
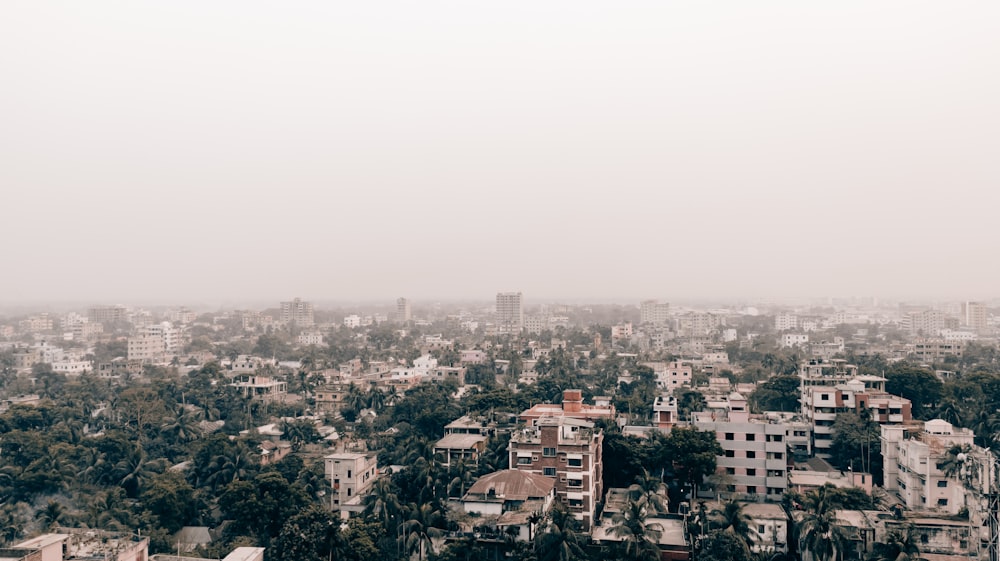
(360,150)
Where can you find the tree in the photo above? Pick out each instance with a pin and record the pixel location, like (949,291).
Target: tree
(311,534)
(856,444)
(721,546)
(688,401)
(819,533)
(640,540)
(691,455)
(780,393)
(652,489)
(919,385)
(732,519)
(171,500)
(559,540)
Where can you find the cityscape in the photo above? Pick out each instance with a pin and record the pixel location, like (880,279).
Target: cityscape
(505,428)
(509,281)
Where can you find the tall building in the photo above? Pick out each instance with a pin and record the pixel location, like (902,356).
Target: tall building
(569,451)
(510,312)
(402,310)
(351,476)
(974,315)
(654,312)
(297,312)
(754,451)
(107,314)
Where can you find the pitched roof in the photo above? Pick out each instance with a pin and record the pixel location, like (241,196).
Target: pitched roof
(511,485)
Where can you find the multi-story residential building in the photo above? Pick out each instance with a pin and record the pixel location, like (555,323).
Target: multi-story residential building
(830,387)
(403,313)
(754,463)
(351,476)
(794,339)
(155,343)
(310,338)
(510,312)
(654,312)
(915,461)
(670,375)
(107,314)
(352,321)
(822,404)
(569,451)
(534,325)
(934,349)
(786,322)
(928,322)
(974,315)
(261,388)
(572,407)
(665,412)
(297,312)
(622,331)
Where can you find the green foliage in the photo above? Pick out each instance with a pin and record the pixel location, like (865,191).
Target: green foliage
(721,546)
(170,499)
(856,445)
(780,393)
(919,385)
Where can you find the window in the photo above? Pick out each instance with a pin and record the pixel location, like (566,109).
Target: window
(576,503)
(729,436)
(751,489)
(751,437)
(348,474)
(575,462)
(751,472)
(942,502)
(523,461)
(824,396)
(551,472)
(549,452)
(730,471)
(943,483)
(574,483)
(751,454)
(730,454)
(760,529)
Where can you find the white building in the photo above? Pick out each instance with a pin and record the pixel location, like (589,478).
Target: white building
(352,321)
(654,312)
(786,322)
(510,312)
(310,338)
(794,339)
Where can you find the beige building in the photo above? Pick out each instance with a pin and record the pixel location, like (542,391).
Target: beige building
(510,312)
(297,312)
(351,476)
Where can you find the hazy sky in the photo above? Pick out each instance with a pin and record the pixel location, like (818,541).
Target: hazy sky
(347,150)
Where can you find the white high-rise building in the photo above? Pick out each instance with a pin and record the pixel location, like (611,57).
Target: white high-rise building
(403,310)
(510,312)
(298,312)
(974,315)
(654,312)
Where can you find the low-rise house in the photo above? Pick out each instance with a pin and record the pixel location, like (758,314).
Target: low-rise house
(512,496)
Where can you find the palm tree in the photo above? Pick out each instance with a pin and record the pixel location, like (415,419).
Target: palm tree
(639,538)
(183,425)
(652,489)
(51,514)
(559,541)
(134,470)
(732,519)
(417,530)
(822,537)
(382,502)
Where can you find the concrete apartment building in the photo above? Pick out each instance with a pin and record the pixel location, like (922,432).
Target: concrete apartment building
(654,312)
(665,412)
(933,349)
(569,451)
(297,312)
(786,322)
(107,314)
(670,375)
(403,312)
(830,387)
(914,458)
(974,315)
(754,463)
(351,476)
(510,312)
(155,343)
